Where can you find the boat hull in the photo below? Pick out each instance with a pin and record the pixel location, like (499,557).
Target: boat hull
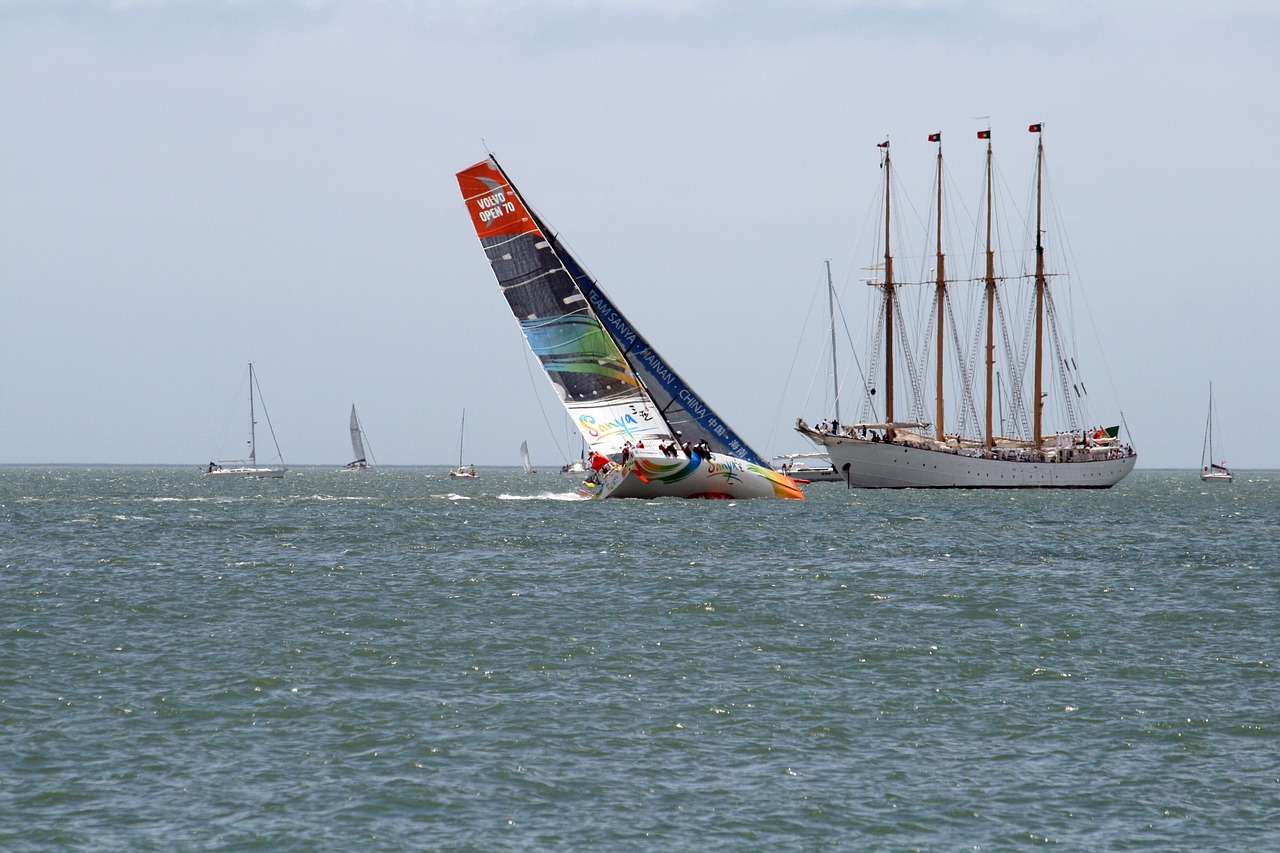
(714,476)
(259,473)
(1217,477)
(882,465)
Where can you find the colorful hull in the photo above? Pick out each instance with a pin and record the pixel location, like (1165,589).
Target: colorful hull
(716,476)
(881,465)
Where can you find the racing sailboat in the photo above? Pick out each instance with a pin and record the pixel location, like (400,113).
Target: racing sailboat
(649,434)
(882,450)
(524,459)
(360,462)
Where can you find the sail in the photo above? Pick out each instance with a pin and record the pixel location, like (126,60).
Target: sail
(686,412)
(595,382)
(524,457)
(357,441)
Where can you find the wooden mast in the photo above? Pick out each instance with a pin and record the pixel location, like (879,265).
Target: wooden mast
(1038,410)
(835,376)
(941,298)
(888,303)
(991,305)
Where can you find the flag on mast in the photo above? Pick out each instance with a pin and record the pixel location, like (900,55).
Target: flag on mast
(1035,128)
(935,137)
(984,134)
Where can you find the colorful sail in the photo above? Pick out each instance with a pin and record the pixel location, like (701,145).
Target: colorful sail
(594,380)
(686,412)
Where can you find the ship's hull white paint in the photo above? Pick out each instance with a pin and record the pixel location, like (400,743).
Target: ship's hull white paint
(881,465)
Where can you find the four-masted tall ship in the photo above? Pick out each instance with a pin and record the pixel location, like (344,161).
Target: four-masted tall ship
(979,451)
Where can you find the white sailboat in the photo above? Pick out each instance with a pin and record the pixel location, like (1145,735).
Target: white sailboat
(250,467)
(884,451)
(524,458)
(1211,471)
(808,467)
(467,472)
(360,462)
(639,418)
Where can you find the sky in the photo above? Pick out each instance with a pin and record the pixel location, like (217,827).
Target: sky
(186,187)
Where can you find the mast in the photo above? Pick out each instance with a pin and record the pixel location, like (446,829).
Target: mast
(253,441)
(1040,288)
(461,432)
(1208,432)
(941,295)
(888,303)
(991,302)
(835,376)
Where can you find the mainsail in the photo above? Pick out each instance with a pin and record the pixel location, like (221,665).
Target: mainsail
(357,440)
(613,383)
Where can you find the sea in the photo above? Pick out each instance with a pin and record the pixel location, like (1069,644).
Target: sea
(395,660)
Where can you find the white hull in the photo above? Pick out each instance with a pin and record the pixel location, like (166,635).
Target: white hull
(716,476)
(881,465)
(1218,477)
(463,474)
(247,471)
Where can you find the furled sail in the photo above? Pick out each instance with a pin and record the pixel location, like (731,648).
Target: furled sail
(560,309)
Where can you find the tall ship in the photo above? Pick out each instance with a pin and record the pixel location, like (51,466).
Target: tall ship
(647,432)
(997,353)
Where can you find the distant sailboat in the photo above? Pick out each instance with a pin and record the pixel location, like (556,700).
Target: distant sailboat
(631,407)
(524,458)
(883,450)
(250,467)
(1211,471)
(464,471)
(358,440)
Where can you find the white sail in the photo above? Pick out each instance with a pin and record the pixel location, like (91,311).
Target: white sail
(359,452)
(357,440)
(524,457)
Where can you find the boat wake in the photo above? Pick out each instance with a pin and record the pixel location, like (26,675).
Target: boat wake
(546,496)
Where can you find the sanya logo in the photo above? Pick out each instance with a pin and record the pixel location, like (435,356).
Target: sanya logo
(731,470)
(495,204)
(624,425)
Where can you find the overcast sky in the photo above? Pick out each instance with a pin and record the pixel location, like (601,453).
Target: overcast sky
(188,186)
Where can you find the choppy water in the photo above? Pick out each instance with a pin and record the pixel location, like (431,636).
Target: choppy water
(399,661)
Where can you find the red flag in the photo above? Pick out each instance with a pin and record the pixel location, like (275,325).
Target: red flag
(1035,128)
(884,144)
(984,134)
(935,137)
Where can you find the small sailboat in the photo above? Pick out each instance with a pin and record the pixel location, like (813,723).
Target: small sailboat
(358,441)
(464,471)
(884,449)
(1211,471)
(250,467)
(524,458)
(637,415)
